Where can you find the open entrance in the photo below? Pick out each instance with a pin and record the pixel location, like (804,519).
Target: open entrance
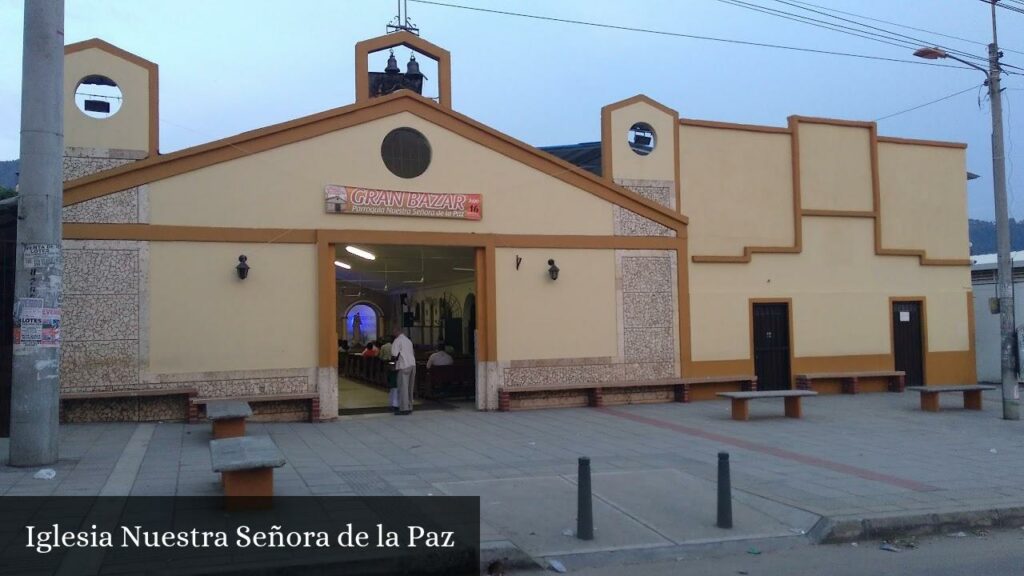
(428,291)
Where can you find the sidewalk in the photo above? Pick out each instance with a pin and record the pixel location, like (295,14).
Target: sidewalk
(853,467)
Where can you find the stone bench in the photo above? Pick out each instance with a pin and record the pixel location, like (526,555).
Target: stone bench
(595,390)
(741,410)
(246,465)
(137,395)
(971,392)
(849,381)
(312,397)
(228,417)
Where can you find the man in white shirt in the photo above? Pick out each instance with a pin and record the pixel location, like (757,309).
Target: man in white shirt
(440,358)
(405,364)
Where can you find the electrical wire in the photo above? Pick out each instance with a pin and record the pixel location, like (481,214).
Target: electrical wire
(682,35)
(927,103)
(917,42)
(822,24)
(897,24)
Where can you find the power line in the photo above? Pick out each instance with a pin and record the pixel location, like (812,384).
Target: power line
(897,24)
(927,103)
(919,41)
(682,35)
(867,34)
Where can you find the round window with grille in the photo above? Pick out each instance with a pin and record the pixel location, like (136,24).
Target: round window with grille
(405,152)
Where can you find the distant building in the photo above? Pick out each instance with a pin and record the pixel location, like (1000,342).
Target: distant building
(987,334)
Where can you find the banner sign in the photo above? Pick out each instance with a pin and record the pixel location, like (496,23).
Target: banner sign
(352,200)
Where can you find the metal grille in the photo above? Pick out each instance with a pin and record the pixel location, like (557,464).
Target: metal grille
(771,346)
(405,152)
(906,338)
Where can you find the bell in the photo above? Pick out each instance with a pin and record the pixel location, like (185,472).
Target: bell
(392,67)
(413,67)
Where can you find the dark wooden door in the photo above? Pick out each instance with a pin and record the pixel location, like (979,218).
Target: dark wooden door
(771,346)
(907,341)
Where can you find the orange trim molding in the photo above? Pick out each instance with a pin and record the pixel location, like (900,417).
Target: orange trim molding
(190,159)
(799,214)
(154,83)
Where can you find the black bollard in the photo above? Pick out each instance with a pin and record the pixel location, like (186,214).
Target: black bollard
(724,492)
(585,509)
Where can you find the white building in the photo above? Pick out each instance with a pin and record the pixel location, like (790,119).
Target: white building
(986,322)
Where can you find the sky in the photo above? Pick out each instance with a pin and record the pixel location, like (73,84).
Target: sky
(228,66)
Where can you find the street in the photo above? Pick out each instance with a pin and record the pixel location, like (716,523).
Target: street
(995,553)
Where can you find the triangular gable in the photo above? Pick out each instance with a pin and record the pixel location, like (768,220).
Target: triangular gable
(247,143)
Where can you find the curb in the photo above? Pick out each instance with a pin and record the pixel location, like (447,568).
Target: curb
(508,553)
(840,530)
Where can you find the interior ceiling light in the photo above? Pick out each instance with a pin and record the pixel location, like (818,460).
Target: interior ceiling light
(461,269)
(341,264)
(360,252)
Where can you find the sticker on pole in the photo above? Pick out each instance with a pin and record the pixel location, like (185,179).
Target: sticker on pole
(36,325)
(41,256)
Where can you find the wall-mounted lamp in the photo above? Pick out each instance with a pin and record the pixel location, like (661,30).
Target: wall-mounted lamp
(242,268)
(552,269)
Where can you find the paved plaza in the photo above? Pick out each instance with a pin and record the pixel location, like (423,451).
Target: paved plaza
(872,456)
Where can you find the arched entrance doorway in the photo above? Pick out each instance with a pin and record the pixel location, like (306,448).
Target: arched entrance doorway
(362,323)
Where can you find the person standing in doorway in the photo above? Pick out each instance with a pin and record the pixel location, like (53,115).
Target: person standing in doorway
(405,364)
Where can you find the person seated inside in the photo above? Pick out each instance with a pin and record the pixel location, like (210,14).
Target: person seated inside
(343,346)
(371,350)
(440,358)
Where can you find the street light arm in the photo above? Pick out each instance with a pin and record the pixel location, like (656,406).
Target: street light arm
(971,64)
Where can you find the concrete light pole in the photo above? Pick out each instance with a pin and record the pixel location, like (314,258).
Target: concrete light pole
(1007,325)
(35,399)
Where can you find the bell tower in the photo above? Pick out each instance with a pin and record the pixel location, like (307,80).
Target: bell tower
(374,84)
(110,108)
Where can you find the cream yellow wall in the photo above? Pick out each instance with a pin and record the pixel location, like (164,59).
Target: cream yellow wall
(203,318)
(573,317)
(840,291)
(924,199)
(835,167)
(284,187)
(660,163)
(737,189)
(128,128)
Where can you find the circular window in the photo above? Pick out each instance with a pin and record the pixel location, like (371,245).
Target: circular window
(641,138)
(98,96)
(405,152)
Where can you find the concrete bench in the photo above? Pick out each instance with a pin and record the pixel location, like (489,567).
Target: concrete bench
(246,465)
(595,390)
(741,411)
(138,395)
(228,417)
(312,397)
(971,392)
(849,381)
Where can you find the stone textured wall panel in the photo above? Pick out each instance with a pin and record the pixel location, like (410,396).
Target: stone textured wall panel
(661,191)
(99,366)
(81,166)
(117,208)
(90,272)
(648,309)
(100,317)
(628,223)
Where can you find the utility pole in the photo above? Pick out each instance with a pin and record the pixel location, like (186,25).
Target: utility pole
(35,394)
(1007,323)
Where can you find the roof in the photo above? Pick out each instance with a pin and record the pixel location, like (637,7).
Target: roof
(990,261)
(586,155)
(190,159)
